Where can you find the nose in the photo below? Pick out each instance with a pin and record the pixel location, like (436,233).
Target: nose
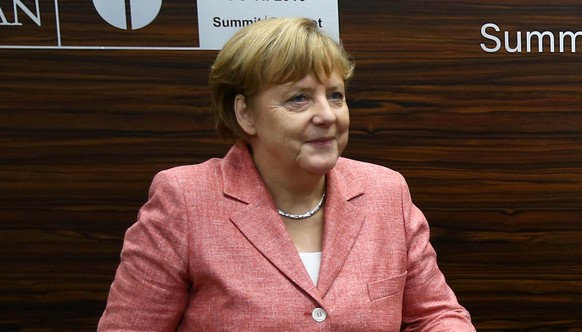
(324,112)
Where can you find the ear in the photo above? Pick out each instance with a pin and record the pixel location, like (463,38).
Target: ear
(244,115)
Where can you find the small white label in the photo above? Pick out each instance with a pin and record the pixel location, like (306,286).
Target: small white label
(218,20)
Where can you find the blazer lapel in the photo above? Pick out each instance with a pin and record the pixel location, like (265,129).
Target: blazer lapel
(259,221)
(263,227)
(343,222)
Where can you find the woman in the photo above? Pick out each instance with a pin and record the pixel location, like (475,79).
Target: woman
(282,234)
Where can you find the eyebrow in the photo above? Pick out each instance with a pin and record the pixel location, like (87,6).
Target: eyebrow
(303,87)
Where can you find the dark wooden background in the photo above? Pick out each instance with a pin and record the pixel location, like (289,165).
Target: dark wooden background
(491,144)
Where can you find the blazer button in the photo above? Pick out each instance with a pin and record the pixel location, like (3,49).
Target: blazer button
(319,315)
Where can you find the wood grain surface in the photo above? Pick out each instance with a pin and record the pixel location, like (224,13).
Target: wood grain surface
(490,143)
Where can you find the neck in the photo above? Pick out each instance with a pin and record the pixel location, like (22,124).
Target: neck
(292,191)
(295,196)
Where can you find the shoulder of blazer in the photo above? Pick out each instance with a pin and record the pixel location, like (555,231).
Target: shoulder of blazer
(367,174)
(197,175)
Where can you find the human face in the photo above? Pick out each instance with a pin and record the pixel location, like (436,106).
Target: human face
(298,126)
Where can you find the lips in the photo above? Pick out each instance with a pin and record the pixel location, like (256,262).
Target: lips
(323,140)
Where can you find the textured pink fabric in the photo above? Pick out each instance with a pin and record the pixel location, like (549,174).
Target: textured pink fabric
(210,253)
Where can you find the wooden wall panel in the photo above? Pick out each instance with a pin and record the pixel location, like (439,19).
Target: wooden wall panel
(489,142)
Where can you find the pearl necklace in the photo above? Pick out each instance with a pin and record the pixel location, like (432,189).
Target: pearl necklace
(306,214)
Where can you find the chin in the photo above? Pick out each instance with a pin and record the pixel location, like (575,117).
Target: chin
(320,167)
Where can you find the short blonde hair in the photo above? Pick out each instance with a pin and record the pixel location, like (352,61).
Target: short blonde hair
(267,52)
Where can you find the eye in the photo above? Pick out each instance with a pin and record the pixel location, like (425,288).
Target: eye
(337,96)
(298,99)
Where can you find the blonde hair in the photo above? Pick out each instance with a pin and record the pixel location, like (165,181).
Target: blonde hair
(268,52)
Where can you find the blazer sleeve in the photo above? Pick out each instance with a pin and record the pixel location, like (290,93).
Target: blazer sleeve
(429,303)
(151,285)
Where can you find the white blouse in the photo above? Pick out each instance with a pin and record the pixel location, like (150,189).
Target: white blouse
(312,262)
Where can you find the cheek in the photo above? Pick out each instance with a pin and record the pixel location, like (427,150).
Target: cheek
(344,119)
(272,123)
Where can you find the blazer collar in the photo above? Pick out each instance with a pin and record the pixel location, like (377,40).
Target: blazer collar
(241,178)
(262,226)
(343,221)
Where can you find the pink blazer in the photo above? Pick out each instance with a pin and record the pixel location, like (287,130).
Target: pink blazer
(209,253)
